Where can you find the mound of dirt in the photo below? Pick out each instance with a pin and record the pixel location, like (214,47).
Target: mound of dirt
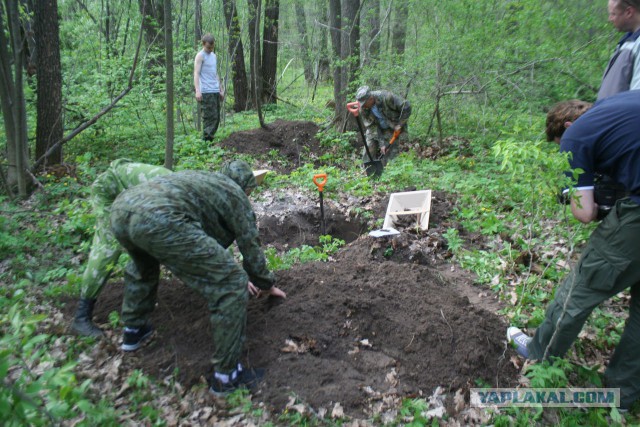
(364,330)
(350,331)
(294,142)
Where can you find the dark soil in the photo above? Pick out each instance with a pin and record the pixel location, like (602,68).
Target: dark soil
(383,317)
(294,142)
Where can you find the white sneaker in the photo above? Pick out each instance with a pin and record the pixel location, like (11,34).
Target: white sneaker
(519,340)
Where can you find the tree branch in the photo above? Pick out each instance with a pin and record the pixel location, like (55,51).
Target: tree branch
(84,7)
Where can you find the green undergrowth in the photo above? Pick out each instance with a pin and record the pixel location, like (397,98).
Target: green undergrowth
(327,247)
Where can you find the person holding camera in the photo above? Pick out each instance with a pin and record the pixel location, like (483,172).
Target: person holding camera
(606,190)
(604,140)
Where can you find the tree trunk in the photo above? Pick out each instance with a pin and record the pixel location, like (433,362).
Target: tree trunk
(255,61)
(12,98)
(152,12)
(198,21)
(335,25)
(236,53)
(349,54)
(399,32)
(168,32)
(350,41)
(270,51)
(371,50)
(126,31)
(256,82)
(110,33)
(301,24)
(49,128)
(323,71)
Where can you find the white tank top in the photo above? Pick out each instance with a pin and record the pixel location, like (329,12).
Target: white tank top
(209,73)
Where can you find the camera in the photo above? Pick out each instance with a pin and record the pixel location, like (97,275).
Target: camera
(606,193)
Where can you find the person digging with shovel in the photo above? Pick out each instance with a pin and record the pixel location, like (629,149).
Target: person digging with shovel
(384,115)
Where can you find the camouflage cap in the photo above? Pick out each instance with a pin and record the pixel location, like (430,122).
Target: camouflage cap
(363,93)
(241,173)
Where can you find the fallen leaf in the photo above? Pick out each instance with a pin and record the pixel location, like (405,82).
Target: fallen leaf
(290,402)
(513,297)
(299,408)
(436,412)
(516,362)
(437,396)
(337,411)
(392,377)
(458,401)
(291,347)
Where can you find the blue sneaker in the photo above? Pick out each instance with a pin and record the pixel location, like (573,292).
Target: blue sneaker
(133,338)
(519,341)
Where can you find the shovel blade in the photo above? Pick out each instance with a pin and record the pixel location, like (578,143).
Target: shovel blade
(374,168)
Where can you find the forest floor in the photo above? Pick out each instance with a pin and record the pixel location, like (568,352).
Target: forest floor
(384,319)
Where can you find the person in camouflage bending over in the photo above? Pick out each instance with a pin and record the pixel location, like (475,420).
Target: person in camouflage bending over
(383,113)
(186,221)
(105,249)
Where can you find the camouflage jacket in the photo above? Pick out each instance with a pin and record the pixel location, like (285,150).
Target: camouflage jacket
(214,203)
(395,109)
(121,174)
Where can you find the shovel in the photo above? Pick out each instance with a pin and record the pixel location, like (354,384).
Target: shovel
(396,134)
(372,167)
(320,180)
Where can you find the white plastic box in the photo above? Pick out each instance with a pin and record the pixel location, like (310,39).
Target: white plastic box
(416,203)
(259,175)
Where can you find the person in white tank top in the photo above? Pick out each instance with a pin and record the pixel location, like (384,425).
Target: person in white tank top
(209,90)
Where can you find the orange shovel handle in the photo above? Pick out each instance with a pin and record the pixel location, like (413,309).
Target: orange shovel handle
(395,136)
(354,108)
(320,180)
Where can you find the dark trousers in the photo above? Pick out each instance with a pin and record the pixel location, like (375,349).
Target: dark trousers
(609,265)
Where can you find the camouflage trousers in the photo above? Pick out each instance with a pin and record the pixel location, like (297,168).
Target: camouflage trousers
(609,265)
(105,251)
(193,256)
(210,115)
(381,140)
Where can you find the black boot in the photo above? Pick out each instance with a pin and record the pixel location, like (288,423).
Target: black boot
(82,324)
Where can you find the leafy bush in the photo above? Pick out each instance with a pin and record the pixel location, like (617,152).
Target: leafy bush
(39,388)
